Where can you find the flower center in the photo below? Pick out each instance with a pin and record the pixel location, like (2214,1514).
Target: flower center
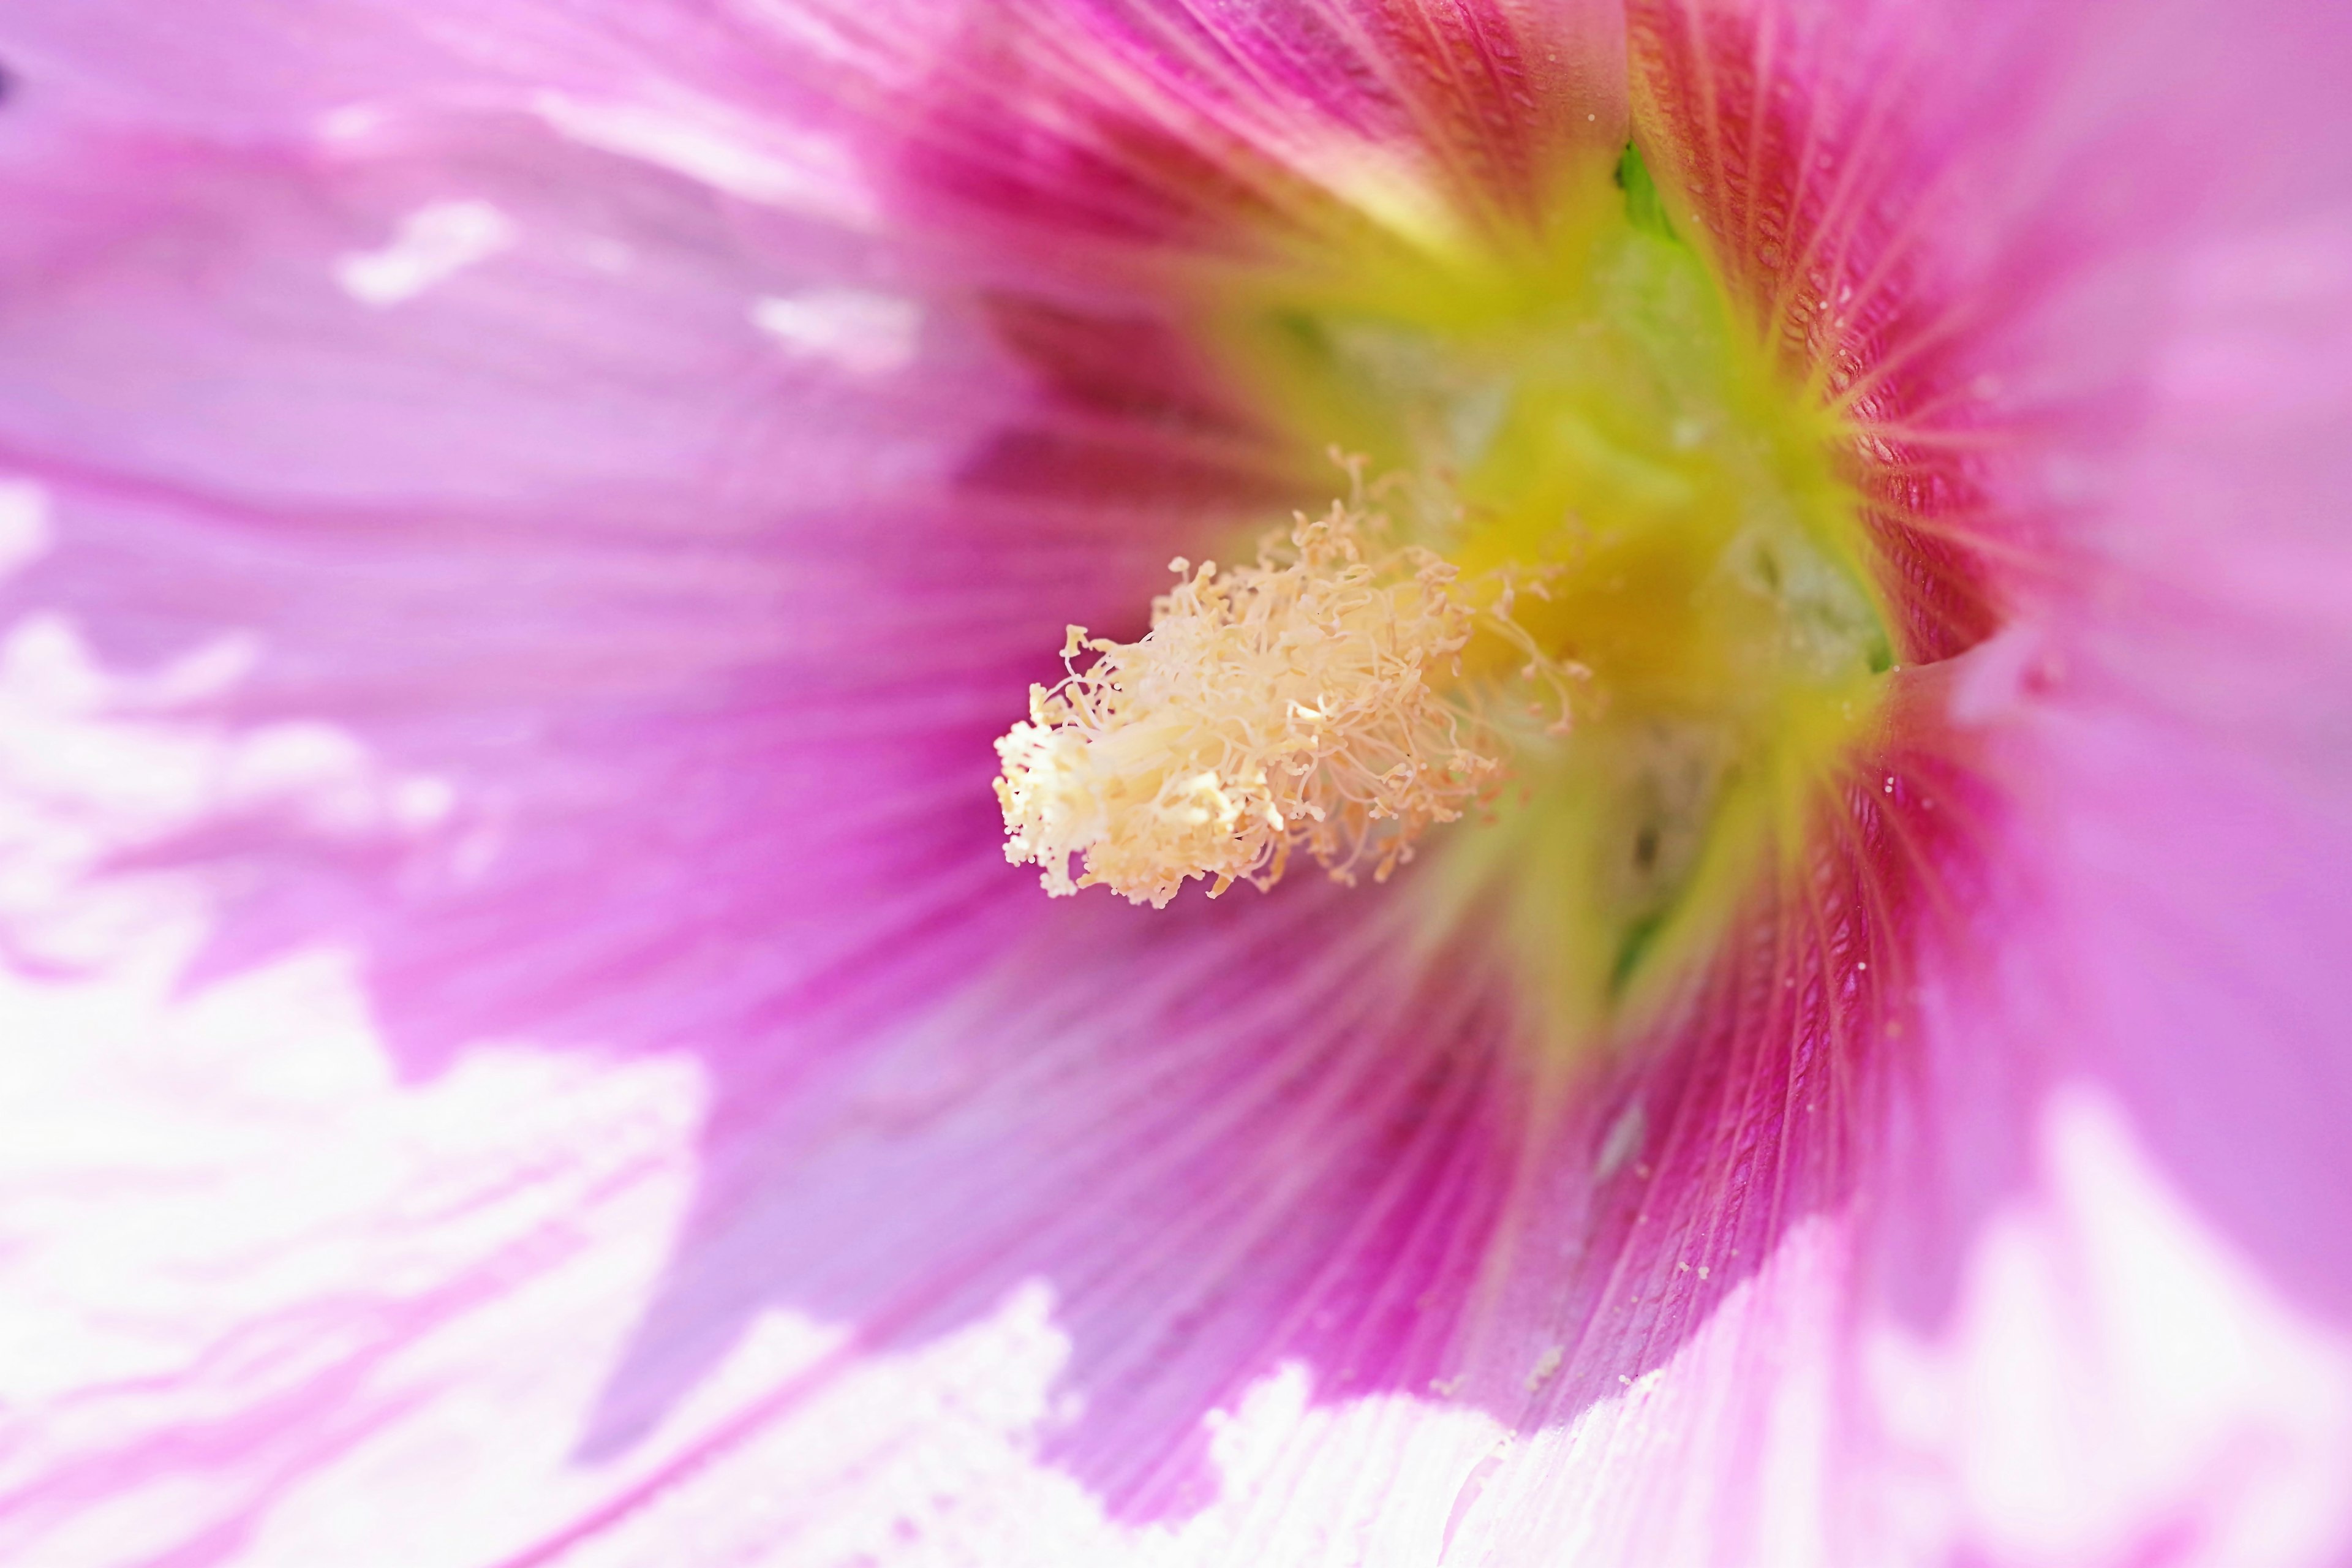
(1602,473)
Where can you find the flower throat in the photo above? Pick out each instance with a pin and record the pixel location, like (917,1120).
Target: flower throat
(1609,594)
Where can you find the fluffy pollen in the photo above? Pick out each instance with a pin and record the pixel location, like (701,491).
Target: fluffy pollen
(1271,708)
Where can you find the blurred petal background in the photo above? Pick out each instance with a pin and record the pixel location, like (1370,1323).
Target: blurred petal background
(521,521)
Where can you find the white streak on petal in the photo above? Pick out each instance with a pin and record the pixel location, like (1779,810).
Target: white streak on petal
(95,766)
(2113,1369)
(1673,1468)
(1622,1141)
(796,171)
(352,122)
(239,1170)
(864,334)
(939,1456)
(24,530)
(433,243)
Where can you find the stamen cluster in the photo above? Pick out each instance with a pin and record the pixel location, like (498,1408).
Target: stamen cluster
(1270,709)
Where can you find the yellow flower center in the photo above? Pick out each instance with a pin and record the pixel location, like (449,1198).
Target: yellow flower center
(1603,471)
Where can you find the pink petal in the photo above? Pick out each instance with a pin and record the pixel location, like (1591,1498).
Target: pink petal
(2107,390)
(1012,1196)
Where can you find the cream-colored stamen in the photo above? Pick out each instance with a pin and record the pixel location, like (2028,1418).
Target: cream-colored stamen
(1270,708)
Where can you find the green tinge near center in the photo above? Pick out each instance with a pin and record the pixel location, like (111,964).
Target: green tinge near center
(1590,405)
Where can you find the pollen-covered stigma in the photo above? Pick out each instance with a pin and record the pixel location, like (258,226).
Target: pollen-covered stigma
(1313,702)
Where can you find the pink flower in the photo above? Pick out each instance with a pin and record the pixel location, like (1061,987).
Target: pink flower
(523,522)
